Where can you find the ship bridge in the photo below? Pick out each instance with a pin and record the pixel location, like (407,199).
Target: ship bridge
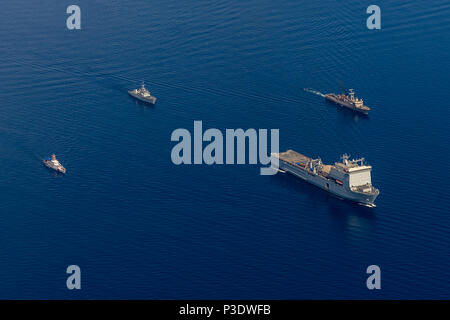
(354,173)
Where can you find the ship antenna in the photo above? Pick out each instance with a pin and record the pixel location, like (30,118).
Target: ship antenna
(345,158)
(344,91)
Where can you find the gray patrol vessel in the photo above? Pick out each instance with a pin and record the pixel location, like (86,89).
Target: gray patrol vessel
(349,179)
(143,94)
(348,100)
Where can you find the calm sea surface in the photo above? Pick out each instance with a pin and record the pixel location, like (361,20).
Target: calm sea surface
(142,227)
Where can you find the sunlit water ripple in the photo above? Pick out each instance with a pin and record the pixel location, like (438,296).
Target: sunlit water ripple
(141,227)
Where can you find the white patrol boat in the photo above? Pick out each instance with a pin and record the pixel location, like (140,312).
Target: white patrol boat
(54,164)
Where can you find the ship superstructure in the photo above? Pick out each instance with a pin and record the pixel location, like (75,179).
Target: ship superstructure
(348,179)
(143,94)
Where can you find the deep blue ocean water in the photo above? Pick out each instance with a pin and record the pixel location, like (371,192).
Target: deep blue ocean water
(141,227)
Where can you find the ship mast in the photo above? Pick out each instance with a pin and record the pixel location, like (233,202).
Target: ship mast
(344,158)
(344,91)
(351,94)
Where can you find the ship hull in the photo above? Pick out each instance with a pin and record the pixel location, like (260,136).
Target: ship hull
(150,100)
(329,185)
(332,98)
(51,166)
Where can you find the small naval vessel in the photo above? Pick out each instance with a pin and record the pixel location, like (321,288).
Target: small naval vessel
(143,94)
(348,100)
(348,179)
(54,164)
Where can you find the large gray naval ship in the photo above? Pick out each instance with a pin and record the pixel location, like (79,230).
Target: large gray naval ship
(348,100)
(349,179)
(143,94)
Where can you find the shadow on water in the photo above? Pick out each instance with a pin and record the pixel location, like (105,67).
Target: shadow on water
(352,220)
(142,104)
(55,174)
(337,207)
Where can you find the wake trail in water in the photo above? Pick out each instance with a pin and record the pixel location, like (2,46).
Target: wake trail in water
(8,130)
(19,136)
(314,91)
(203,90)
